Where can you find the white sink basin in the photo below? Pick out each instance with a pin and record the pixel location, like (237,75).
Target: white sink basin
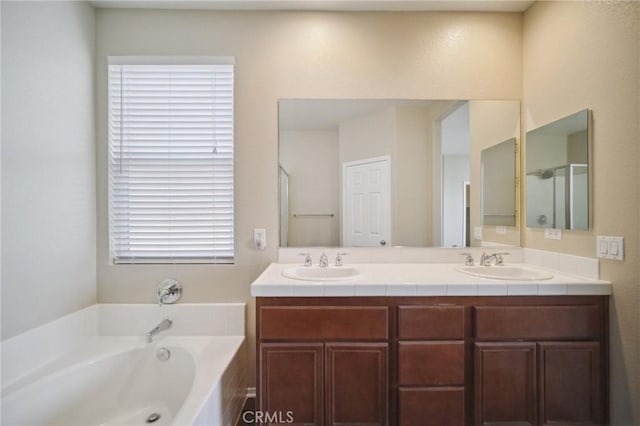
(316,273)
(518,273)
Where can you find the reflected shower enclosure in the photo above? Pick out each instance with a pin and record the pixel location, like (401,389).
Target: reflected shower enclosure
(561,197)
(558,174)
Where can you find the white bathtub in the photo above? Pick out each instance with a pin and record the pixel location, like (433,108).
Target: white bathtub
(109,381)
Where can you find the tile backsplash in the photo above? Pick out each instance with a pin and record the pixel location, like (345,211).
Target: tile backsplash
(587,267)
(396,254)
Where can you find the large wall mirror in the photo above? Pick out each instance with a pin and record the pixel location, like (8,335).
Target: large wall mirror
(381,173)
(558,174)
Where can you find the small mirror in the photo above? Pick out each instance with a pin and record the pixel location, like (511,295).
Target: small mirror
(558,174)
(499,184)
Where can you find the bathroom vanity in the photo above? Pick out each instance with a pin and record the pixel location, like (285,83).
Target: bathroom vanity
(456,358)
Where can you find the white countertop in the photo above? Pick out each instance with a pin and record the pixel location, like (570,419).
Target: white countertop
(422,279)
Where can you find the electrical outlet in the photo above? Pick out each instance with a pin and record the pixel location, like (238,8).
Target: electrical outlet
(553,234)
(610,247)
(501,230)
(260,238)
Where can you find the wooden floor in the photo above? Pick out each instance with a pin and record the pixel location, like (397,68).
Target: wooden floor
(249,405)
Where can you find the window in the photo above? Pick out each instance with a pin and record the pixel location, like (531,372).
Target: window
(170,161)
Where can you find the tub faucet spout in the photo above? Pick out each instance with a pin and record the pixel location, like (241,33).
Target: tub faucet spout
(164,325)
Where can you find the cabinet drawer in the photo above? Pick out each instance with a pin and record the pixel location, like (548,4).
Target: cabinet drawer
(431,406)
(431,322)
(431,363)
(538,322)
(324,322)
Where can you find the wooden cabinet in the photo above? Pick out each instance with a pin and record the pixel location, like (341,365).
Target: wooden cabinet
(442,361)
(539,382)
(344,383)
(325,365)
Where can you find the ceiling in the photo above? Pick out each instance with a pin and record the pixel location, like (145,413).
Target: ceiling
(325,5)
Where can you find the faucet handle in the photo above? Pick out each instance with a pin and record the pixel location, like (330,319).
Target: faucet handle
(169,291)
(468,261)
(307,258)
(339,257)
(500,259)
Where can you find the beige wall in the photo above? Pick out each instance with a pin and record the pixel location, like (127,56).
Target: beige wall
(411,196)
(294,55)
(368,136)
(587,55)
(48,162)
(311,159)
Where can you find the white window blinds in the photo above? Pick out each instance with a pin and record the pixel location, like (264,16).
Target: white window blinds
(171,163)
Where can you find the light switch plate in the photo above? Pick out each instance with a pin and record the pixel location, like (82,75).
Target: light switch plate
(260,238)
(477,233)
(610,247)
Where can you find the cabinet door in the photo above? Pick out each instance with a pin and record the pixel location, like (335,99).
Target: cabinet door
(505,383)
(570,383)
(356,384)
(291,382)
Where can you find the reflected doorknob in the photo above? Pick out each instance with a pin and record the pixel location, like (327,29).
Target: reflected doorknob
(383,243)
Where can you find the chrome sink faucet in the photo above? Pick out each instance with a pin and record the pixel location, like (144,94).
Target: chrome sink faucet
(307,258)
(164,325)
(324,261)
(339,257)
(468,261)
(497,258)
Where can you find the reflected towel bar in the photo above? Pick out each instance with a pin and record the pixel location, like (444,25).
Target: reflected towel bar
(312,214)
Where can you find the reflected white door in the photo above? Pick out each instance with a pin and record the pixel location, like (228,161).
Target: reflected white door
(366,218)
